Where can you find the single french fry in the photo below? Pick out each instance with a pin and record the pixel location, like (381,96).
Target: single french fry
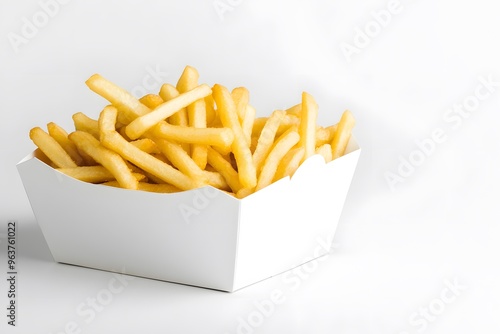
(147,162)
(197,113)
(342,134)
(107,158)
(325,151)
(51,148)
(307,126)
(266,138)
(221,137)
(84,123)
(188,79)
(93,174)
(289,163)
(167,93)
(61,136)
(142,124)
(130,107)
(229,119)
(151,101)
(247,123)
(240,97)
(283,144)
(156,188)
(107,120)
(42,157)
(224,167)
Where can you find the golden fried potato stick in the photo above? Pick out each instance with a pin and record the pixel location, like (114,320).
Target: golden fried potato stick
(325,151)
(107,120)
(229,119)
(247,123)
(240,97)
(51,148)
(167,93)
(151,101)
(84,123)
(188,79)
(224,167)
(94,174)
(113,141)
(342,134)
(180,159)
(307,126)
(283,144)
(221,137)
(151,187)
(197,115)
(142,124)
(197,112)
(107,158)
(289,163)
(130,107)
(266,138)
(61,136)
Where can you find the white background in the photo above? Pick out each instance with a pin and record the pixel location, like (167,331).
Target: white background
(394,248)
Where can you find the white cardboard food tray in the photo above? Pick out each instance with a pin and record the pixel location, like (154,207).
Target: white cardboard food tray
(200,237)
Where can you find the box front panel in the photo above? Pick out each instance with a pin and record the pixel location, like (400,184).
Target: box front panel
(187,237)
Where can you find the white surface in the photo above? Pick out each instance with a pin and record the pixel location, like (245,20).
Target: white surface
(395,249)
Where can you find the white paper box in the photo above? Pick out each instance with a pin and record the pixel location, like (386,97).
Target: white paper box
(200,237)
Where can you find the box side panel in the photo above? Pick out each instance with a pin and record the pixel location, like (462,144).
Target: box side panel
(293,221)
(188,237)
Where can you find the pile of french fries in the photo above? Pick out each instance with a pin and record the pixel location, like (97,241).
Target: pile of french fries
(189,136)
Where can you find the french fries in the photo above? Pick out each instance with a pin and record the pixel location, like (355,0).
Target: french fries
(51,148)
(187,136)
(229,118)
